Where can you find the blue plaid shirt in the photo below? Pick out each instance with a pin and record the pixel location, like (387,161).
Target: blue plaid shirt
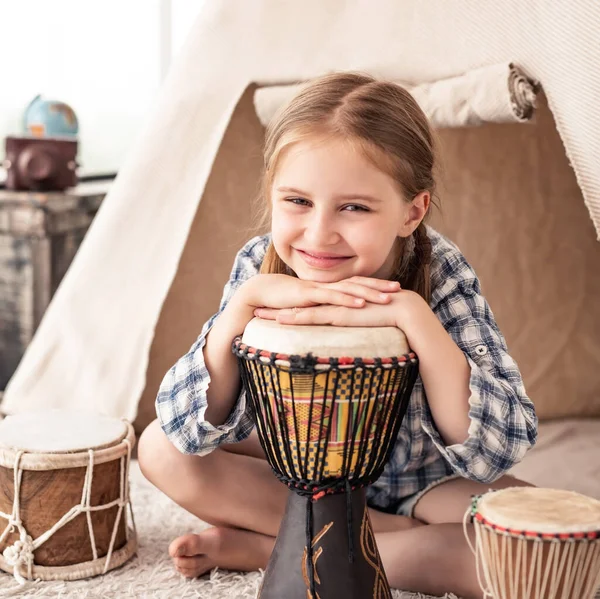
(503,421)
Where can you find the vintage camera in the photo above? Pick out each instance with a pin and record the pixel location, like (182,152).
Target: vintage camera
(40,164)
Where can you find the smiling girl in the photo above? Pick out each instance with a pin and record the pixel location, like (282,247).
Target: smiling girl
(348,182)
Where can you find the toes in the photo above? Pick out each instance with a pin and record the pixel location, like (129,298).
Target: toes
(186,545)
(179,546)
(191,552)
(208,541)
(186,563)
(192,567)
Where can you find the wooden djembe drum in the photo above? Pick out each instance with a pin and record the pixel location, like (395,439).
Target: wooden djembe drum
(64,494)
(328,404)
(533,543)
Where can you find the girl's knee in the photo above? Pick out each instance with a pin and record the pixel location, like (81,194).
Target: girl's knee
(154,451)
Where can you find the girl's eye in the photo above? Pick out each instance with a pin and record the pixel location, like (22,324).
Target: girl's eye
(298,201)
(355,208)
(347,208)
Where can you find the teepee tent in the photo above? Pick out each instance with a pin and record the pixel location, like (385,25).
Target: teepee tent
(516,197)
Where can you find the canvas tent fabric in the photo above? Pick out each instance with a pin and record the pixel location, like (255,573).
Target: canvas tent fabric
(152,265)
(492,94)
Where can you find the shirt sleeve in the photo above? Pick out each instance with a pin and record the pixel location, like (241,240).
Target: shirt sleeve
(503,420)
(181,402)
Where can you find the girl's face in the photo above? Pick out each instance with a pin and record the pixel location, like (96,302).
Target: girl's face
(335,215)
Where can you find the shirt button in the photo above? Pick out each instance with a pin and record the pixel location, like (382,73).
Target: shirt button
(481,350)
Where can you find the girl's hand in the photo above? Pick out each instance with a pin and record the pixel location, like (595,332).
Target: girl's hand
(395,313)
(286,292)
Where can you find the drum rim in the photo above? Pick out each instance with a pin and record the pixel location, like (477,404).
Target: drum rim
(582,533)
(552,532)
(304,361)
(59,460)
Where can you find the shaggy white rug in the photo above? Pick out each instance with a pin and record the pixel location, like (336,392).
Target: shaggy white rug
(149,574)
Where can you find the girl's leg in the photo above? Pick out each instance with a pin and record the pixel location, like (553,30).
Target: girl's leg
(430,559)
(448,501)
(240,495)
(233,491)
(221,488)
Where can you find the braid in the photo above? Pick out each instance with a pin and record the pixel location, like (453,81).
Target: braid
(418,278)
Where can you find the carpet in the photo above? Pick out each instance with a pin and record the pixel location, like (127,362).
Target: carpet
(150,574)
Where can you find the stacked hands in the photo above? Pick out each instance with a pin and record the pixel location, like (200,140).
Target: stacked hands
(354,302)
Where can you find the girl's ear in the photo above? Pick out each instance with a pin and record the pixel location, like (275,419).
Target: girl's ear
(417,209)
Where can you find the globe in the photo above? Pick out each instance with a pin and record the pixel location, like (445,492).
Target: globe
(49,118)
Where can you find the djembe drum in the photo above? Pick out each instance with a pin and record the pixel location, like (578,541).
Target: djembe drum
(64,494)
(533,543)
(328,403)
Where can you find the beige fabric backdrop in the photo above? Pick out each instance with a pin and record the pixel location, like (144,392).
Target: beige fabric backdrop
(93,346)
(511,202)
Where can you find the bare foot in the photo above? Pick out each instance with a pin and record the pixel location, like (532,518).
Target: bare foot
(228,548)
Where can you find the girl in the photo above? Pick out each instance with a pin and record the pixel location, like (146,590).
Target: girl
(348,182)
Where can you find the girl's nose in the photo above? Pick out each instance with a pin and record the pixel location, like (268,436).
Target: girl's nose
(321,231)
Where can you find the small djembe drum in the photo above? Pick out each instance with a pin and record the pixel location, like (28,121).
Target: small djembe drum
(64,494)
(328,404)
(533,543)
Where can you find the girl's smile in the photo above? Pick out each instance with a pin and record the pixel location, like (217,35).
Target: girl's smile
(322,260)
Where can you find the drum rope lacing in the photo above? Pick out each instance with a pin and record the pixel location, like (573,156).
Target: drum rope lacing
(20,554)
(569,558)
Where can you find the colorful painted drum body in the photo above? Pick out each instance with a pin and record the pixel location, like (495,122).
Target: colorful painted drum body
(534,543)
(328,404)
(346,407)
(64,494)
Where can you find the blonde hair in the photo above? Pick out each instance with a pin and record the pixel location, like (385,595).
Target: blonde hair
(389,128)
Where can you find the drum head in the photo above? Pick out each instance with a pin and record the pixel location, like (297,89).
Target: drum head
(550,511)
(325,341)
(55,431)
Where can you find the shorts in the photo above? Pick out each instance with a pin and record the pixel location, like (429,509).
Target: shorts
(406,505)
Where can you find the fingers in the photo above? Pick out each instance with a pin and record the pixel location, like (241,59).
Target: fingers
(308,316)
(347,292)
(376,293)
(371,315)
(329,295)
(354,292)
(337,316)
(350,293)
(379,284)
(324,315)
(266,313)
